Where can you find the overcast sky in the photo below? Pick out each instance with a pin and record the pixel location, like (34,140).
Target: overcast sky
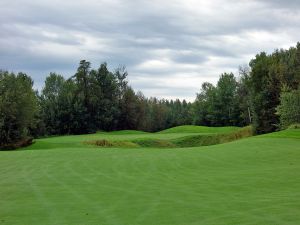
(170,47)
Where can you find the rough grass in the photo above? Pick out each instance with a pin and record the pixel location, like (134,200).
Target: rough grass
(154,143)
(63,181)
(213,139)
(192,140)
(107,143)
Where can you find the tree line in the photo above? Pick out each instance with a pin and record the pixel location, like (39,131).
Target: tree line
(98,99)
(265,94)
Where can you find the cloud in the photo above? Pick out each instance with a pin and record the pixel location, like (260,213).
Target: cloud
(291,4)
(169,47)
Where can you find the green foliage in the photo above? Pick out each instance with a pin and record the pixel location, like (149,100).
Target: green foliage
(252,98)
(269,73)
(225,102)
(294,126)
(289,108)
(18,107)
(203,107)
(129,115)
(220,105)
(105,91)
(51,101)
(243,98)
(94,100)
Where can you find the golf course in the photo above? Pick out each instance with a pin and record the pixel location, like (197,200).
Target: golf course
(150,112)
(178,176)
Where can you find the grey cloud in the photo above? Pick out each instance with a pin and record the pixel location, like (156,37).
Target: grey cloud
(154,39)
(158,89)
(293,4)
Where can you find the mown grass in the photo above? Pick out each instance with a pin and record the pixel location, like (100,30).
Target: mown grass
(61,181)
(198,129)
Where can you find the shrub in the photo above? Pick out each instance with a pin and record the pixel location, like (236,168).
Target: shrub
(294,126)
(18,144)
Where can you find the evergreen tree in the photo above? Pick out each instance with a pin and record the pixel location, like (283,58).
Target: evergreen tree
(50,104)
(18,107)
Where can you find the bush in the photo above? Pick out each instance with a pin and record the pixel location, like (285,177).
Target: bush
(18,144)
(294,126)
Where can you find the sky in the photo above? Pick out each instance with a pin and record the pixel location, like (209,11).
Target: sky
(169,47)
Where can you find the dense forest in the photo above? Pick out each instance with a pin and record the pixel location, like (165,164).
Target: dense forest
(266,94)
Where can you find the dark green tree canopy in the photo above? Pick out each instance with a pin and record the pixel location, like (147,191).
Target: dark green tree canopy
(18,107)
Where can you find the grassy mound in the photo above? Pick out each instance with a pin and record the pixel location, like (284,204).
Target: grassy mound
(198,129)
(121,132)
(185,141)
(213,139)
(288,133)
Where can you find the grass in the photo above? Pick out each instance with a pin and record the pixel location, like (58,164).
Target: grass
(198,129)
(166,139)
(62,180)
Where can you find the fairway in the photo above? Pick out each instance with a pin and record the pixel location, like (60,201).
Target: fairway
(63,180)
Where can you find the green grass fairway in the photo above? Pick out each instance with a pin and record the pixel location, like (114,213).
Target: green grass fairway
(61,180)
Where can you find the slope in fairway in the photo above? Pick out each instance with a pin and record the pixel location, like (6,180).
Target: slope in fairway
(62,181)
(198,129)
